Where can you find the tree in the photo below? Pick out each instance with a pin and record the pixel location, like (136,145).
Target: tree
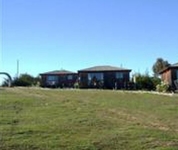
(159,65)
(24,80)
(145,82)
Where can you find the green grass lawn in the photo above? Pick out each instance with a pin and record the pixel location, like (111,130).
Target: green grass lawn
(42,119)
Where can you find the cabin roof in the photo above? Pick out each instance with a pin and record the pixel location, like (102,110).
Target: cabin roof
(58,72)
(104,68)
(169,67)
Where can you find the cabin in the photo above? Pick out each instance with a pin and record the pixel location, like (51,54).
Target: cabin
(59,79)
(170,75)
(104,77)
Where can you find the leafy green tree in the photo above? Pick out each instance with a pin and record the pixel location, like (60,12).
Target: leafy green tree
(24,80)
(159,65)
(145,82)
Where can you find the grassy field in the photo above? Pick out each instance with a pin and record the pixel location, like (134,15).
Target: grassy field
(43,119)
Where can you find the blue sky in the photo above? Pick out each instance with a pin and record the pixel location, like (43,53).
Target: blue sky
(46,35)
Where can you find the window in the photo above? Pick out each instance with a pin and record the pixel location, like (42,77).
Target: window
(95,79)
(52,78)
(119,75)
(69,77)
(177,74)
(98,76)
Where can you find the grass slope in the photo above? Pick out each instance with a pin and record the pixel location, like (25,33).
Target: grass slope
(40,119)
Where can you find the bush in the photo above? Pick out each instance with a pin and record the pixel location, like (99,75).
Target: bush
(163,87)
(76,85)
(145,82)
(25,80)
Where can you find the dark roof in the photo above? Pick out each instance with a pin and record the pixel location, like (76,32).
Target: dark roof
(175,65)
(58,72)
(103,68)
(169,67)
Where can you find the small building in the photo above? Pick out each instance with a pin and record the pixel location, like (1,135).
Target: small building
(107,77)
(58,78)
(170,75)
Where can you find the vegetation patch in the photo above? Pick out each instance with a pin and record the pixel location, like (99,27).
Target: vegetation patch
(41,119)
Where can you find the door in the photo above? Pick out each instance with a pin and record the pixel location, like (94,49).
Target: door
(109,80)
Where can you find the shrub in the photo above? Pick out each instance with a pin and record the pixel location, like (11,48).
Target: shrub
(163,87)
(25,80)
(145,82)
(76,85)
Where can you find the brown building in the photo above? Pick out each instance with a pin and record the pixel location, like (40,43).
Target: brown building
(170,75)
(58,78)
(107,77)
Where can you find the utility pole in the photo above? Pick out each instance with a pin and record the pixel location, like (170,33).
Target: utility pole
(17,68)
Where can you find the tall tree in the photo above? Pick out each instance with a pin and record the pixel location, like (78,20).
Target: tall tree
(24,80)
(159,65)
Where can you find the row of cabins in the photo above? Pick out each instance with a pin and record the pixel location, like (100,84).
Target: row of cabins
(107,77)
